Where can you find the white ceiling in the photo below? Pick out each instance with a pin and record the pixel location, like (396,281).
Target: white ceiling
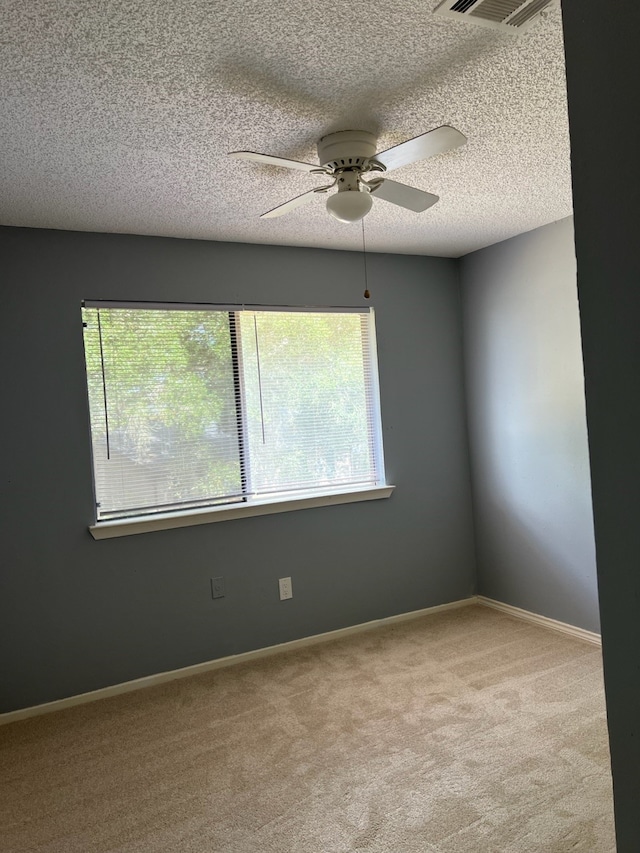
(117,116)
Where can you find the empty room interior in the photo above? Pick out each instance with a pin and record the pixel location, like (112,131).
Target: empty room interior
(300,479)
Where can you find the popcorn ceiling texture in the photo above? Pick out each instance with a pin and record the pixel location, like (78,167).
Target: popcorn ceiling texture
(117,116)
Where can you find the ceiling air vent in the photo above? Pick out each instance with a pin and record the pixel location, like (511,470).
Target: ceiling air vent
(512,16)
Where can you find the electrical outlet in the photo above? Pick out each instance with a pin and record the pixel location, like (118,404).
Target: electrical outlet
(286,590)
(217,587)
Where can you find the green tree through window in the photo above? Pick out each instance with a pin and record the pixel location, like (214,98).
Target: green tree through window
(197,406)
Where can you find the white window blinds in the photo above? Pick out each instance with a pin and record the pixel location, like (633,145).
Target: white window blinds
(193,406)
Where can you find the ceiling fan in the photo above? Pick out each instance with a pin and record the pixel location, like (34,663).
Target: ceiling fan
(348,156)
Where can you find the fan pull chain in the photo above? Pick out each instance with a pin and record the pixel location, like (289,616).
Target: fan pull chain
(367,295)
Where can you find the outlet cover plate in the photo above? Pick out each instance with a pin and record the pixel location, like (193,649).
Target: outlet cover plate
(217,587)
(286,590)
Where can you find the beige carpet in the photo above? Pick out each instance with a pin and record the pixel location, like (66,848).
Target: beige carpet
(461,731)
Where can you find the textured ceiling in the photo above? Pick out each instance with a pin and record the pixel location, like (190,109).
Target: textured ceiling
(117,116)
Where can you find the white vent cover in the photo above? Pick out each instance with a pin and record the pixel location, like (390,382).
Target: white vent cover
(507,15)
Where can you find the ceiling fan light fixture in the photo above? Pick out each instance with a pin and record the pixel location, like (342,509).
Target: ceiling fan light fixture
(348,155)
(349,206)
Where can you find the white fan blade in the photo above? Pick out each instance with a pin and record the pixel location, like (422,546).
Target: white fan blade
(268,160)
(421,147)
(404,196)
(290,205)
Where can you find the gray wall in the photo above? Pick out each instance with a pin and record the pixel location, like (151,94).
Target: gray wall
(604,89)
(76,614)
(527,426)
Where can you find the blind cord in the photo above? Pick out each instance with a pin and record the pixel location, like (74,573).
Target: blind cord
(255,328)
(104,385)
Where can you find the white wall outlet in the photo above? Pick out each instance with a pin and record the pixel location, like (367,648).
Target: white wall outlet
(286,590)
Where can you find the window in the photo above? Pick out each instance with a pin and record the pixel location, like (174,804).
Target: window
(196,406)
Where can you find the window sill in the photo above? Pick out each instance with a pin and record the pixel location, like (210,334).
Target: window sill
(168,520)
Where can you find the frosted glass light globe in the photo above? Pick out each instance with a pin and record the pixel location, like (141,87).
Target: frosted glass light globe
(349,206)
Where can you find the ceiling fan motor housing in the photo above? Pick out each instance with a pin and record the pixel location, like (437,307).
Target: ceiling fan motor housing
(346,149)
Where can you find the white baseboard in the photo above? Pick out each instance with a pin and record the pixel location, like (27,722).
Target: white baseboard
(231,660)
(542,621)
(219,663)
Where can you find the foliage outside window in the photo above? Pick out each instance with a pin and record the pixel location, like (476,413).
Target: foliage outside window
(197,406)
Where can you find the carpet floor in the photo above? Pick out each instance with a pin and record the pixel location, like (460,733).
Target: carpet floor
(465,731)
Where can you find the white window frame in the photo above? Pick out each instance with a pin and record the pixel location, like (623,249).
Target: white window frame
(109,528)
